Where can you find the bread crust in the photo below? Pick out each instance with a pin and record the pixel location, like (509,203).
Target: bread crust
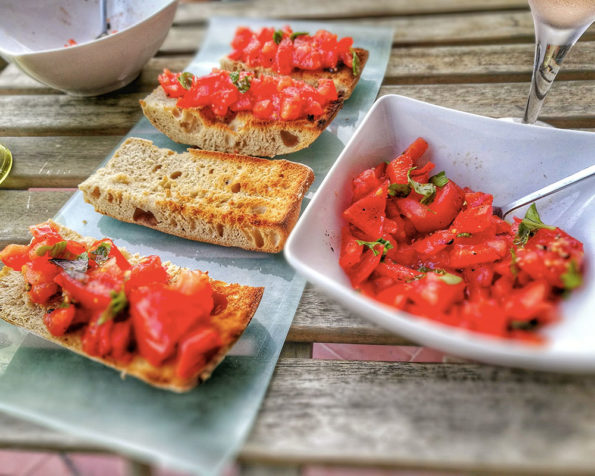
(242,301)
(343,77)
(237,133)
(224,199)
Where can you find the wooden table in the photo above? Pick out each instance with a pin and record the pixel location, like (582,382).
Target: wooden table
(472,55)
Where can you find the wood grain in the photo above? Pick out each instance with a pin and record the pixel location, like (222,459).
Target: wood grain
(22,208)
(426,416)
(61,162)
(407,65)
(315,9)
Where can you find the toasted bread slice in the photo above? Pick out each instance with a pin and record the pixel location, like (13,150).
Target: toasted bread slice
(236,133)
(343,77)
(242,302)
(229,200)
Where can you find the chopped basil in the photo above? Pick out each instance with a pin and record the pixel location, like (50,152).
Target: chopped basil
(118,303)
(445,276)
(243,84)
(399,189)
(464,235)
(449,278)
(53,250)
(572,278)
(372,245)
(355,63)
(523,325)
(278,36)
(75,268)
(427,190)
(298,33)
(514,269)
(531,223)
(101,253)
(186,79)
(440,179)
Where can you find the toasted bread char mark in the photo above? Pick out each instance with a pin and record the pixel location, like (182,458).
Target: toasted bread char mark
(239,133)
(225,199)
(242,302)
(343,77)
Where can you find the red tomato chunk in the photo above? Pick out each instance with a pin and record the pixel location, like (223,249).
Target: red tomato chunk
(423,244)
(283,50)
(122,309)
(276,98)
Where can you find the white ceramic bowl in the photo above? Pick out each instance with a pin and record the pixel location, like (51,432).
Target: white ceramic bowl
(33,35)
(506,159)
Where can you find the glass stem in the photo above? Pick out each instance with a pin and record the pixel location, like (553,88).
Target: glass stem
(548,59)
(551,46)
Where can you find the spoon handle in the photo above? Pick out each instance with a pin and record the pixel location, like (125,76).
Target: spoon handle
(549,189)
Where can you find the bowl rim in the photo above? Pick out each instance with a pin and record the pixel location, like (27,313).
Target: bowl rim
(79,46)
(474,345)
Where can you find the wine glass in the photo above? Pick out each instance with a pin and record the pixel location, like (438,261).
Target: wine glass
(558,25)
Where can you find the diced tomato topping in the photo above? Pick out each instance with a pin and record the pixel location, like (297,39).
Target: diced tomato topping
(195,349)
(267,97)
(58,321)
(436,250)
(283,51)
(15,256)
(121,309)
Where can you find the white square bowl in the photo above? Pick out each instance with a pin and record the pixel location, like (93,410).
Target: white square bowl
(505,159)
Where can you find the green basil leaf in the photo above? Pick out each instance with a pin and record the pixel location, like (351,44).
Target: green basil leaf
(186,79)
(53,250)
(523,325)
(531,223)
(298,33)
(464,235)
(355,63)
(278,36)
(514,269)
(427,190)
(450,278)
(76,268)
(440,179)
(243,84)
(101,253)
(399,189)
(372,245)
(572,278)
(118,303)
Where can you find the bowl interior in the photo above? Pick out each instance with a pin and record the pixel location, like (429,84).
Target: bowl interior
(505,159)
(30,25)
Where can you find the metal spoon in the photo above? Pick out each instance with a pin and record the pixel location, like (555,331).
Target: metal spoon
(545,191)
(103,16)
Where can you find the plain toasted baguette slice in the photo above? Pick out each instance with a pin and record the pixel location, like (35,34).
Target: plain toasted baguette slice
(343,77)
(229,200)
(242,302)
(236,133)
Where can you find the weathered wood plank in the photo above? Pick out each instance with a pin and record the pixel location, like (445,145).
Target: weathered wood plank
(570,104)
(314,9)
(321,319)
(481,64)
(60,162)
(23,208)
(465,28)
(407,65)
(463,417)
(426,416)
(43,115)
